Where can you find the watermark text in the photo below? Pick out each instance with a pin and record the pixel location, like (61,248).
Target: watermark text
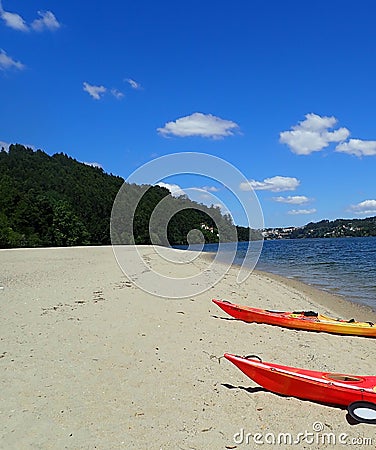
(317,436)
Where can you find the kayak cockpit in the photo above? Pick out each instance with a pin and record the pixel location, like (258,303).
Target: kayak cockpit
(343,378)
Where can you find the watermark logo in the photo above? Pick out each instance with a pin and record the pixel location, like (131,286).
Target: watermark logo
(170,273)
(316,436)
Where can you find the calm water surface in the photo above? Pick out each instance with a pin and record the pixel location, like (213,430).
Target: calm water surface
(345,266)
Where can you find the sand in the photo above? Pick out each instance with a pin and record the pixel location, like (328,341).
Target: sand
(90,360)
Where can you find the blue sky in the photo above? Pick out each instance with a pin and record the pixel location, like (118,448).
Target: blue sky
(282,90)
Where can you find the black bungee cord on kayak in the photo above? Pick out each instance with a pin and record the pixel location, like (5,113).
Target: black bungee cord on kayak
(252,357)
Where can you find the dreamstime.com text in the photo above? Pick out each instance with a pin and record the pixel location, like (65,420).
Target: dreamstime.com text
(317,436)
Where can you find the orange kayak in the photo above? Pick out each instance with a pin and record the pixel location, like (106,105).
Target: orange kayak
(324,387)
(300,320)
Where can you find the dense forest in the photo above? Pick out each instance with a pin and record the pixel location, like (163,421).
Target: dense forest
(58,201)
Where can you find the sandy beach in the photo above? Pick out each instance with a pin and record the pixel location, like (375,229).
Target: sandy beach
(88,359)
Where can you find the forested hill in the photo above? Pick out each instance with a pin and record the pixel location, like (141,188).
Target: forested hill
(53,200)
(58,201)
(326,229)
(338,228)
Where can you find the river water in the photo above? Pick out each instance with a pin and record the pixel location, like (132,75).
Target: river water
(344,266)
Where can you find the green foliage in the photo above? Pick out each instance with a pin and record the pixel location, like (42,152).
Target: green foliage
(248,234)
(67,227)
(57,201)
(338,228)
(327,229)
(53,200)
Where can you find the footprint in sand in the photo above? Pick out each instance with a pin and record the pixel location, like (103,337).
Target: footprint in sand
(98,296)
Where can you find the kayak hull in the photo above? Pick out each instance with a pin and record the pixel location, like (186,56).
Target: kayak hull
(323,387)
(297,321)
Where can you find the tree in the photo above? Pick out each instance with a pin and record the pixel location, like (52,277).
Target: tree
(67,227)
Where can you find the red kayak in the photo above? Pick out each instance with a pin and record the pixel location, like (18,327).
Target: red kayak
(300,320)
(324,387)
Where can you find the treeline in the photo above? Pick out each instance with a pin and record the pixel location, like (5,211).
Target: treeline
(326,229)
(337,228)
(58,201)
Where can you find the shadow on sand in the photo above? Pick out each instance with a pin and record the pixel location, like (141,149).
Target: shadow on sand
(254,390)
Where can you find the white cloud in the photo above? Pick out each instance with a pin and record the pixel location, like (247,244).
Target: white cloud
(97,92)
(274,184)
(117,94)
(223,208)
(357,147)
(197,194)
(199,124)
(292,200)
(134,84)
(93,164)
(13,20)
(4,145)
(94,91)
(175,189)
(365,207)
(47,21)
(210,189)
(6,62)
(312,134)
(296,212)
